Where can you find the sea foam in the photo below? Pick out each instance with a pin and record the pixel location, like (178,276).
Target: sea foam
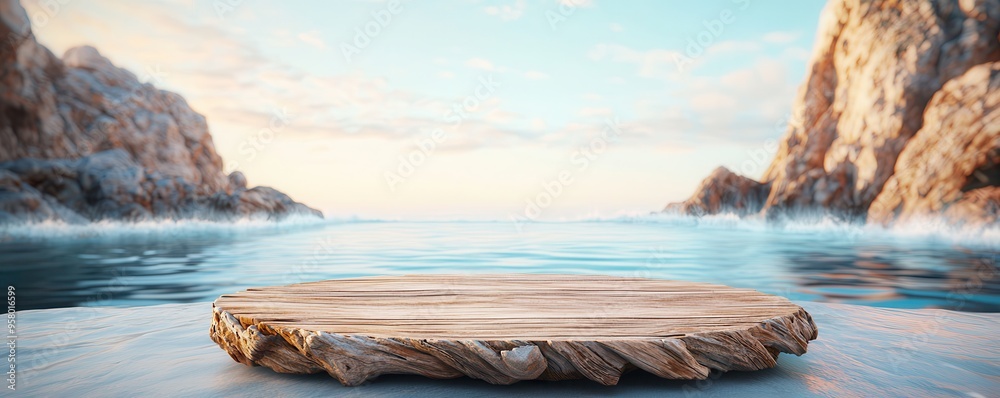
(154,229)
(925,228)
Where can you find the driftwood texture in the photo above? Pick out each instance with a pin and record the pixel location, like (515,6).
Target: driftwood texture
(507,328)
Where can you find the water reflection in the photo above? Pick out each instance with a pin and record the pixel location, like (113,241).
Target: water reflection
(50,275)
(954,279)
(192,267)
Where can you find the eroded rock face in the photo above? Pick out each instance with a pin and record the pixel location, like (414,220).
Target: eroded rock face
(81,139)
(952,165)
(876,66)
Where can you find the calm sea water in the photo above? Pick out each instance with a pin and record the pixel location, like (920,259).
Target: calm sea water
(114,265)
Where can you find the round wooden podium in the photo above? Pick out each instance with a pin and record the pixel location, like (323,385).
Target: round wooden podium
(506,328)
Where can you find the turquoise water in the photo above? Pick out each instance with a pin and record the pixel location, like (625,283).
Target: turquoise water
(115,265)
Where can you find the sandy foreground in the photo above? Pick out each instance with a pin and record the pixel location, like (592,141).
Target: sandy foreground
(165,351)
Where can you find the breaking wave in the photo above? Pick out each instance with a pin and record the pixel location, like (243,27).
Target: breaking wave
(928,228)
(154,229)
(935,229)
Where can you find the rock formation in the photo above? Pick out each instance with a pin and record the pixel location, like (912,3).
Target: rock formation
(724,192)
(952,165)
(83,140)
(895,119)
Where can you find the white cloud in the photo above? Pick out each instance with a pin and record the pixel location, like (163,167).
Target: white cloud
(312,38)
(283,38)
(223,75)
(664,64)
(654,63)
(497,116)
(764,73)
(445,74)
(616,27)
(508,12)
(576,3)
(780,37)
(538,124)
(745,105)
(480,63)
(592,97)
(535,75)
(732,46)
(716,103)
(595,111)
(796,53)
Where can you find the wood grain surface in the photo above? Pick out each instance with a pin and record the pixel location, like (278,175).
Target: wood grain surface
(506,328)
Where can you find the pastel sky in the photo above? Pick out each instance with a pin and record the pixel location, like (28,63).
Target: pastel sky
(467,109)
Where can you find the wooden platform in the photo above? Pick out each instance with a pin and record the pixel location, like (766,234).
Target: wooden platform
(506,328)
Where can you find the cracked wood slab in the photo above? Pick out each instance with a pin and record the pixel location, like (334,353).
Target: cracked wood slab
(507,328)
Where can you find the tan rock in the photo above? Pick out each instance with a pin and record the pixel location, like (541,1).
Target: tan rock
(952,165)
(875,67)
(722,192)
(88,139)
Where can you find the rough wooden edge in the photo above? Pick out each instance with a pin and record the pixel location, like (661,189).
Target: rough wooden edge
(354,359)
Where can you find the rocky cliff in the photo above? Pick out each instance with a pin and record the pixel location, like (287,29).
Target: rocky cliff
(82,140)
(896,119)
